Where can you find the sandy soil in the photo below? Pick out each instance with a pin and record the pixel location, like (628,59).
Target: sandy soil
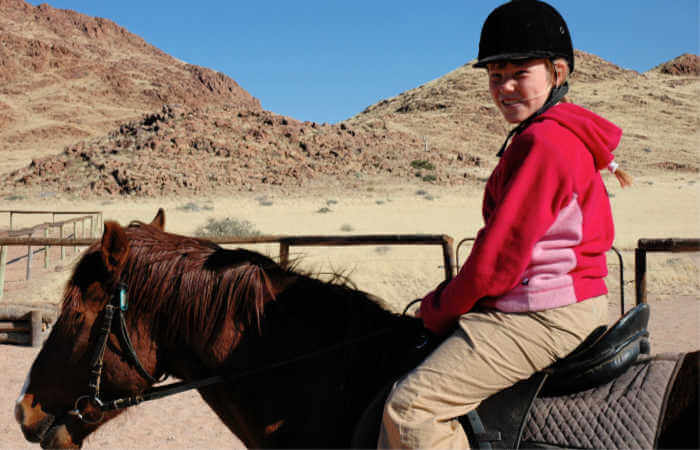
(652,209)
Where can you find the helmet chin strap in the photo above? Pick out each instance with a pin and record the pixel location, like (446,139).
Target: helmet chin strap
(542,94)
(555,96)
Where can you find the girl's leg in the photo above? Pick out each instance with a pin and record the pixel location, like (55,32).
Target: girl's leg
(490,351)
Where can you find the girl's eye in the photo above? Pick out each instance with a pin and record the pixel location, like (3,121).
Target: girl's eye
(520,73)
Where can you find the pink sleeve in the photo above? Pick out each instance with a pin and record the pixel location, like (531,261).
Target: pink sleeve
(534,193)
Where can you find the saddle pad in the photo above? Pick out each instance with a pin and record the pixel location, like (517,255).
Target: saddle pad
(624,413)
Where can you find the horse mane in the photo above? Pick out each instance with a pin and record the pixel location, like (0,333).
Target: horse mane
(192,285)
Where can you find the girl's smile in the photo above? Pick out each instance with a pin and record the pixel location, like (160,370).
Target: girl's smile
(519,89)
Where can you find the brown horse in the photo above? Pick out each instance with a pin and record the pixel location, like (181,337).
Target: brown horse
(297,359)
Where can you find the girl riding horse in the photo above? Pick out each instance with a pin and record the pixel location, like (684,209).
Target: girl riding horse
(533,286)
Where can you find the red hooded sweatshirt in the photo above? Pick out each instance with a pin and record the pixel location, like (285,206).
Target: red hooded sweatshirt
(548,223)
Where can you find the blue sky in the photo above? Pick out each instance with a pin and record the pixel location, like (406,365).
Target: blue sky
(326,61)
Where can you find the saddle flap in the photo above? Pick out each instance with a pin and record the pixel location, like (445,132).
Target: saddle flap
(597,362)
(501,417)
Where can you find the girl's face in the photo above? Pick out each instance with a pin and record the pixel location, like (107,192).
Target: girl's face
(519,88)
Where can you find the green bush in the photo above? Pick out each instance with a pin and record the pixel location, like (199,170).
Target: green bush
(227,227)
(422,164)
(192,207)
(264,201)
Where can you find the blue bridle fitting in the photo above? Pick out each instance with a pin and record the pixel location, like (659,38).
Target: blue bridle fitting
(123,298)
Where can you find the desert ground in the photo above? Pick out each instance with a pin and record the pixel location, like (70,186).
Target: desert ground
(652,208)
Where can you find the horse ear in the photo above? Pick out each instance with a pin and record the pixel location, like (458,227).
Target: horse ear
(115,247)
(159,220)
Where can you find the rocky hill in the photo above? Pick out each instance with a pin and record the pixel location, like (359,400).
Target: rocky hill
(657,110)
(85,99)
(685,64)
(203,150)
(65,76)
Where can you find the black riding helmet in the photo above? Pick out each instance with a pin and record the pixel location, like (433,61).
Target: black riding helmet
(524,29)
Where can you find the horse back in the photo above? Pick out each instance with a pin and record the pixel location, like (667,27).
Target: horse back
(627,412)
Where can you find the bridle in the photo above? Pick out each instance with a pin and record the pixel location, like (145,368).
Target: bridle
(90,408)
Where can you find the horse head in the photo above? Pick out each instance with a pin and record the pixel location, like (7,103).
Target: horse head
(187,306)
(60,374)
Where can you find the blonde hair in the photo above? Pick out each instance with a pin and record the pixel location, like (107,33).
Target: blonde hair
(553,73)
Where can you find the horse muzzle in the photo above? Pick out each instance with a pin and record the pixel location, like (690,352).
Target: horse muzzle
(39,426)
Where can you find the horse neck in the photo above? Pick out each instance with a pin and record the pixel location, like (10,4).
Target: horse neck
(321,354)
(378,346)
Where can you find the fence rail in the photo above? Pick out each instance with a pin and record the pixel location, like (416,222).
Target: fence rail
(644,246)
(285,242)
(444,241)
(22,329)
(25,236)
(97,225)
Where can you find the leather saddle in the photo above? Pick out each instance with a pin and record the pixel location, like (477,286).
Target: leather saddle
(608,352)
(499,421)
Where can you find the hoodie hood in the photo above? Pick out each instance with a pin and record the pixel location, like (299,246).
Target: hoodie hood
(599,135)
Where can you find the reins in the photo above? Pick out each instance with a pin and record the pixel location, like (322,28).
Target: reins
(91,408)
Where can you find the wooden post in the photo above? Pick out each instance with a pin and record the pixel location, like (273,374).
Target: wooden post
(284,254)
(673,245)
(448,257)
(46,249)
(60,235)
(29,260)
(10,220)
(92,226)
(640,275)
(75,236)
(3,263)
(36,326)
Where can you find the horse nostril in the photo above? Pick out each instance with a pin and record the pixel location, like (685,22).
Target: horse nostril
(19,413)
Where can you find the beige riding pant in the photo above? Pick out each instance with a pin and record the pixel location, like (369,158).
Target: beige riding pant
(489,351)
